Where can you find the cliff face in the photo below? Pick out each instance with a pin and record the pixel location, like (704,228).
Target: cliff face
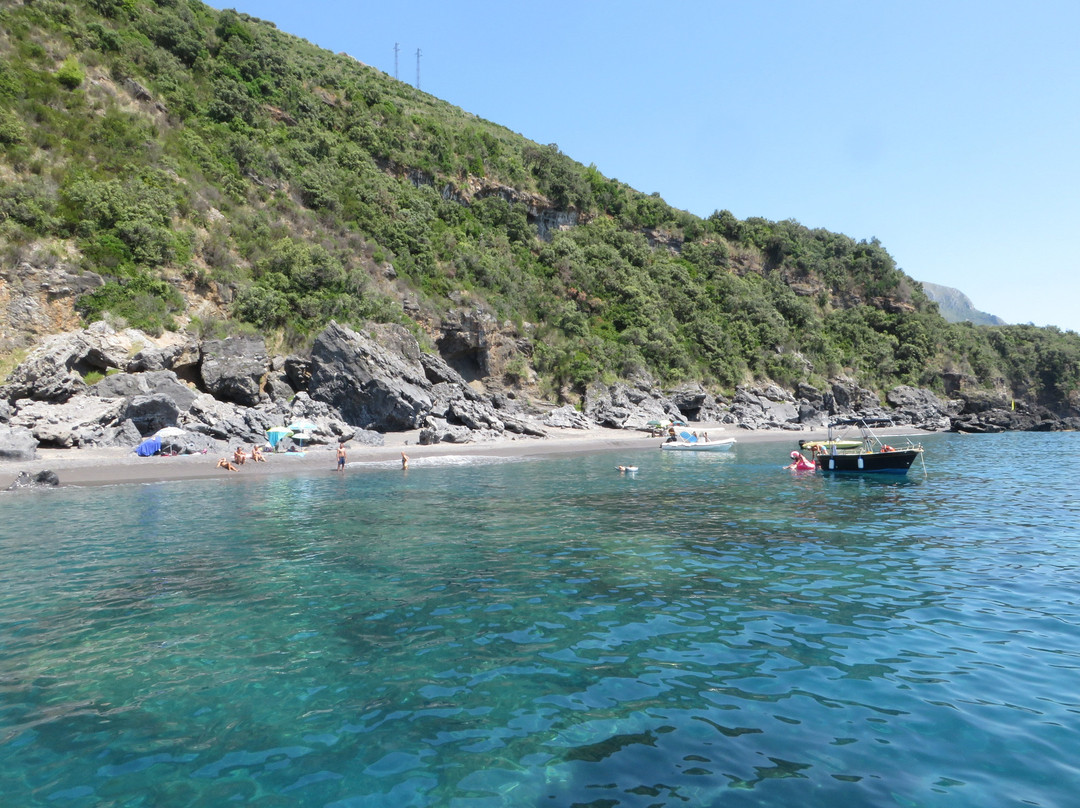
(37,298)
(956,307)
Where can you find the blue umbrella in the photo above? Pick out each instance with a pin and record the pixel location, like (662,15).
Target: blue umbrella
(275,434)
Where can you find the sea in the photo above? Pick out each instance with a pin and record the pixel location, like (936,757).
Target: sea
(710,630)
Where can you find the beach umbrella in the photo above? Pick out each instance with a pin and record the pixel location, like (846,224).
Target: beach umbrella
(276,433)
(302,426)
(300,437)
(170,432)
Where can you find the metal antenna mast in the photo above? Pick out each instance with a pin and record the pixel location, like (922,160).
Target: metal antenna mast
(395,61)
(418,68)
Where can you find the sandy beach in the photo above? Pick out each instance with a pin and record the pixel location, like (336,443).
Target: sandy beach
(117,466)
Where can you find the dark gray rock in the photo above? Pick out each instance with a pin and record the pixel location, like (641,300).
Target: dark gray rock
(694,403)
(126,434)
(42,479)
(151,413)
(232,369)
(464,343)
(297,372)
(277,386)
(154,383)
(375,379)
(17,443)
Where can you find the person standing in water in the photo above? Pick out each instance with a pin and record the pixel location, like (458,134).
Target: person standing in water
(341,456)
(404,460)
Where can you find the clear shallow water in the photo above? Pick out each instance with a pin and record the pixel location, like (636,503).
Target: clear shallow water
(711,630)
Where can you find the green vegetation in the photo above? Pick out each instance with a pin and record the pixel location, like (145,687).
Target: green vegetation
(173,146)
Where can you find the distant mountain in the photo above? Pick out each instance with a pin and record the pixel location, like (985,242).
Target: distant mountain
(956,307)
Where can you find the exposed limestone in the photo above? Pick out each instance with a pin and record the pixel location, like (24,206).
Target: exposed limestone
(17,443)
(80,421)
(37,299)
(55,370)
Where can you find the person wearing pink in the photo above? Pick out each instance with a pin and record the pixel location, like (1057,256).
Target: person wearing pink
(800,463)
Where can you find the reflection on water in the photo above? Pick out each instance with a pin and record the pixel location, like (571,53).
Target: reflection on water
(710,630)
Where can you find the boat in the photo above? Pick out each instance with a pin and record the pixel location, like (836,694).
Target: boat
(867,455)
(693,444)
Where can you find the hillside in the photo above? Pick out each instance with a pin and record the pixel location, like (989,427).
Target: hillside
(956,307)
(171,167)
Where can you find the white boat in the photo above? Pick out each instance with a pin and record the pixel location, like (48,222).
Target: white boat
(721,445)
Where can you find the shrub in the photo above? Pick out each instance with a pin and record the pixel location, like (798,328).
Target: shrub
(70,75)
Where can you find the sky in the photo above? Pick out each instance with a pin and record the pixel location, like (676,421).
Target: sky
(947,129)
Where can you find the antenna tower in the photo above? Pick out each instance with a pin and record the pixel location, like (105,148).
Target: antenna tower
(395,61)
(418,68)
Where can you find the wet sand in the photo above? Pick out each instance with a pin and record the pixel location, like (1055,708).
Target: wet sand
(116,466)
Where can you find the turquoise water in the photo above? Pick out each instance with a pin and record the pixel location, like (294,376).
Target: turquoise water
(709,631)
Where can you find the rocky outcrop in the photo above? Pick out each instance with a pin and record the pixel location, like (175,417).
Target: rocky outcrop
(566,417)
(767,407)
(921,408)
(182,356)
(54,371)
(375,379)
(358,384)
(37,299)
(17,443)
(232,369)
(80,421)
(148,414)
(153,383)
(628,405)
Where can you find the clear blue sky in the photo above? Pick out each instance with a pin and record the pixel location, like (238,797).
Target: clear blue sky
(950,131)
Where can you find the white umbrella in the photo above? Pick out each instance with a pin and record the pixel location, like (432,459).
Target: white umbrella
(170,432)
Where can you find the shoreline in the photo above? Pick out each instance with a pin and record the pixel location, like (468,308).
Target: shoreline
(120,466)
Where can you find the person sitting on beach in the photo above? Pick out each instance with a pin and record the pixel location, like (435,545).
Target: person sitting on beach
(404,460)
(257,455)
(225,464)
(800,463)
(238,456)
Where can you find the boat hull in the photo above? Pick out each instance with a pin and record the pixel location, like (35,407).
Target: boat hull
(895,462)
(712,446)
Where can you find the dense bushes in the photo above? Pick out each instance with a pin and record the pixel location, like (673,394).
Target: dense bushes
(290,179)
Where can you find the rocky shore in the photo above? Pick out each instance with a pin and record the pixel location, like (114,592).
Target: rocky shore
(101,389)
